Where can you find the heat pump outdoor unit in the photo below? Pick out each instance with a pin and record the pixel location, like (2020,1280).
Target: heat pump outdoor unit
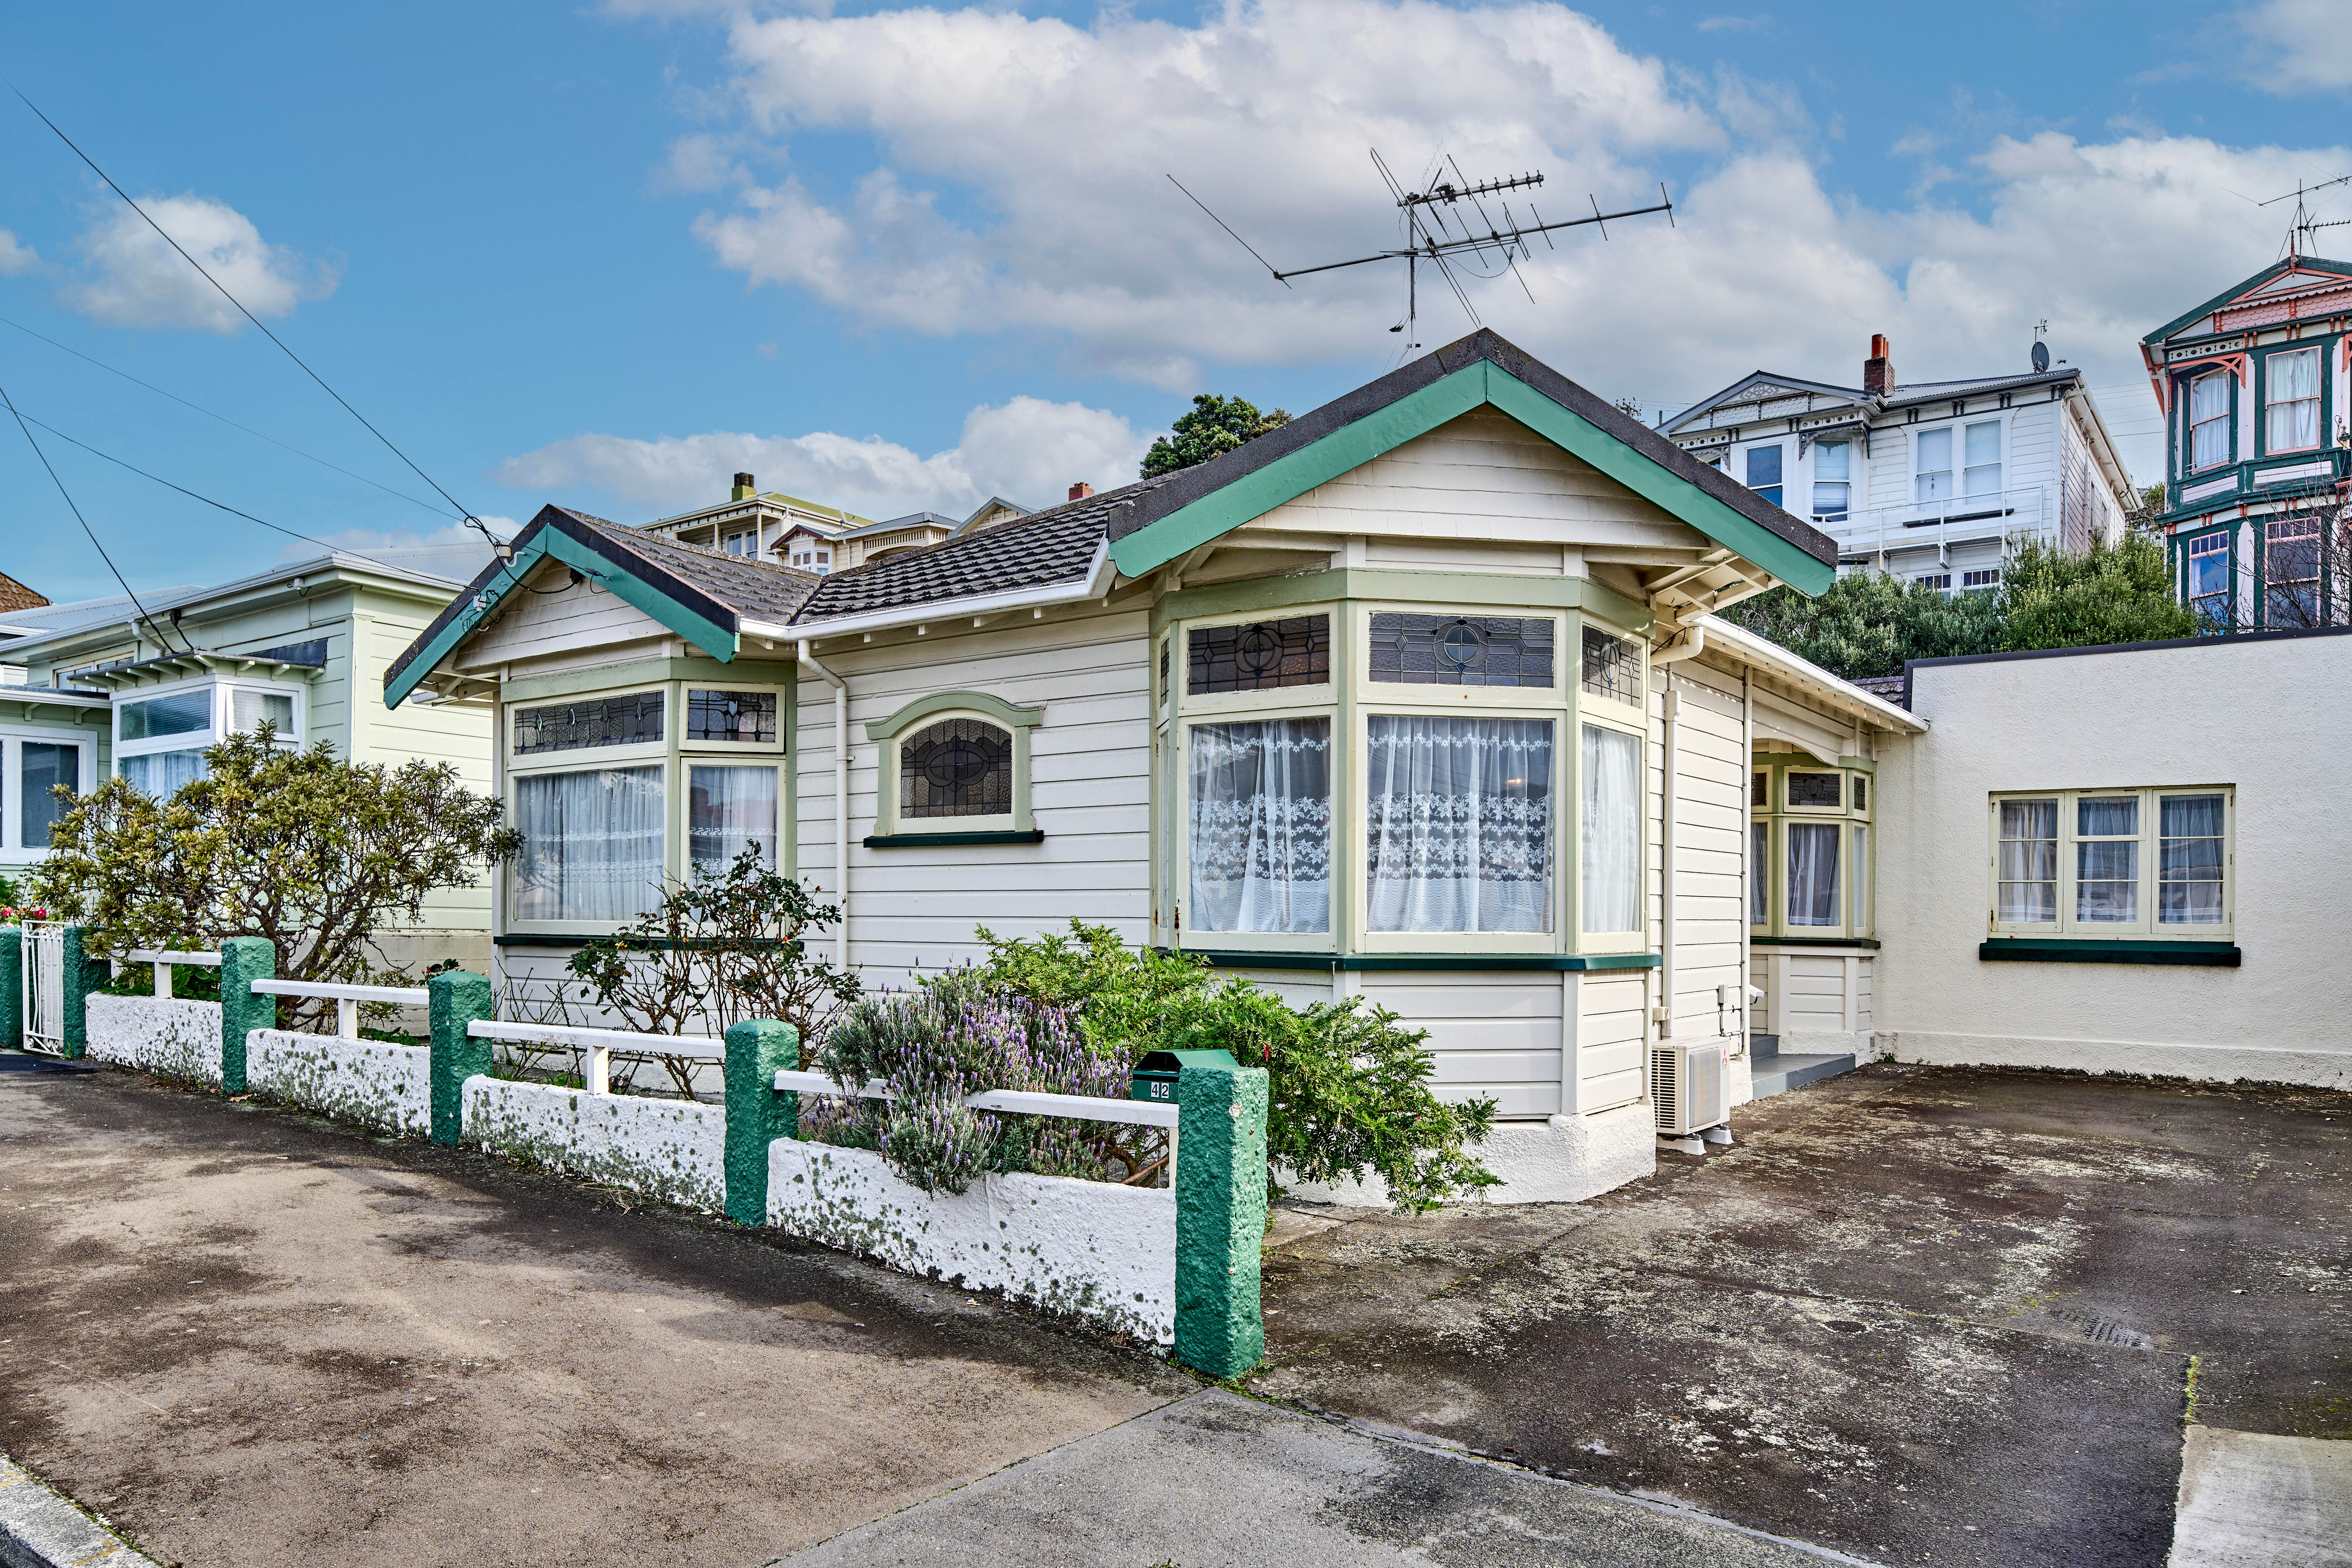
(1691,1086)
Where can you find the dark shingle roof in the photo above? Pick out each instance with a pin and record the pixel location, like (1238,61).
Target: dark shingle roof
(1047,547)
(1894,688)
(744,584)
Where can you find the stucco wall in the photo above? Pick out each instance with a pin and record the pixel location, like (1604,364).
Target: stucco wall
(365,1081)
(674,1150)
(166,1035)
(1093,1249)
(2254,713)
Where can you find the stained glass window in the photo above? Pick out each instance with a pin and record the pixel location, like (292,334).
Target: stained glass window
(1461,650)
(596,722)
(1260,655)
(1612,666)
(957,767)
(744,716)
(1815,789)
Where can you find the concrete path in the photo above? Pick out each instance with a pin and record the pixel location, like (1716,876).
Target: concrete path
(1923,1315)
(1220,1481)
(2252,1500)
(247,1336)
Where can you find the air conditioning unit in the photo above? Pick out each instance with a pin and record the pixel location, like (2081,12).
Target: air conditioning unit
(1690,1085)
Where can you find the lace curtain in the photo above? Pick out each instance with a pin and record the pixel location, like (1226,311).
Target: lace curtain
(1460,825)
(1813,873)
(160,774)
(729,810)
(2029,861)
(592,844)
(1610,832)
(1261,829)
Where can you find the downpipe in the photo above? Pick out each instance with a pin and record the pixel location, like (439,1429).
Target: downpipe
(840,799)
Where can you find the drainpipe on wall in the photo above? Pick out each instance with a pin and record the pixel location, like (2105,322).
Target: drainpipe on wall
(1666,1012)
(840,799)
(1746,853)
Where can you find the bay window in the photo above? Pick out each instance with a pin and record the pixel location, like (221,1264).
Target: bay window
(1809,848)
(2112,863)
(1459,824)
(160,736)
(592,844)
(1261,825)
(1609,838)
(2291,401)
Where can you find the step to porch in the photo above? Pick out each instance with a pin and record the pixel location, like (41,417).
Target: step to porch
(1780,1072)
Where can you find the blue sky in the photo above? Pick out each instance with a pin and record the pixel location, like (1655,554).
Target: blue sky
(901,258)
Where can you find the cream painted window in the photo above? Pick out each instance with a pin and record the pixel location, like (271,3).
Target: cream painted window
(34,763)
(2208,420)
(1808,851)
(2114,863)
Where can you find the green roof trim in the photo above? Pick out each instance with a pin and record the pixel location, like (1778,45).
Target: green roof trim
(2299,263)
(548,538)
(1482,384)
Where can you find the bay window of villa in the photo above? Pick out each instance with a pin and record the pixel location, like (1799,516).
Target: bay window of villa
(161,732)
(1399,778)
(1810,866)
(622,794)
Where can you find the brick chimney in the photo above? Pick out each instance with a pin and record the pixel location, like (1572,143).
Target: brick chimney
(1878,370)
(743,491)
(1081,491)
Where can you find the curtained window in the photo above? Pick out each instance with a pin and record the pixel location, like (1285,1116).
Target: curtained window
(1813,873)
(1832,480)
(1459,819)
(729,810)
(1610,833)
(2208,420)
(160,774)
(2107,859)
(2028,862)
(2189,860)
(592,844)
(1261,825)
(2291,398)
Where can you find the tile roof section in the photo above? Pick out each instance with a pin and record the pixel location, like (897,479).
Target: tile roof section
(1055,545)
(15,596)
(763,589)
(1896,689)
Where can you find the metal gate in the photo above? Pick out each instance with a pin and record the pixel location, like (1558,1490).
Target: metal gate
(45,987)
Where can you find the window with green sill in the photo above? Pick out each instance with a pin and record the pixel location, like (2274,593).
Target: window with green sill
(2143,864)
(1810,870)
(954,763)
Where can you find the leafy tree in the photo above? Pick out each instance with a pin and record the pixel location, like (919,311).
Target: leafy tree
(2113,593)
(314,854)
(1215,425)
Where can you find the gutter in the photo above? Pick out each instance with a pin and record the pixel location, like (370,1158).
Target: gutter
(840,797)
(1095,582)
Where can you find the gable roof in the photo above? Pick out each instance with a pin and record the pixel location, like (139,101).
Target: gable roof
(2261,282)
(15,596)
(702,594)
(1764,386)
(1195,505)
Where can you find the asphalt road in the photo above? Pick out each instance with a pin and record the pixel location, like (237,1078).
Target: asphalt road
(1921,1315)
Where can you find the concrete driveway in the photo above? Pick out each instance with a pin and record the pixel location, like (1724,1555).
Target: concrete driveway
(1921,1315)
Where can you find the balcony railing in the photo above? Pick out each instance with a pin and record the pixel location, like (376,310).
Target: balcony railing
(1961,520)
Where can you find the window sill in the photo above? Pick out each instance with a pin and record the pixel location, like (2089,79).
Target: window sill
(951,840)
(1812,942)
(2102,950)
(1331,962)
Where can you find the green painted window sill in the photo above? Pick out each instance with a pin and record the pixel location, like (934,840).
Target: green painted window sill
(1812,942)
(950,840)
(2096,950)
(1333,963)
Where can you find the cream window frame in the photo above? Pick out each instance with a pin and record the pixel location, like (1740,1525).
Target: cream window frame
(664,753)
(1857,918)
(889,734)
(2147,927)
(684,691)
(222,700)
(1635,718)
(12,740)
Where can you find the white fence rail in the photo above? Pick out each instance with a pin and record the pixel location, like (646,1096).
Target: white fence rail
(162,959)
(1017,1102)
(596,1045)
(347,998)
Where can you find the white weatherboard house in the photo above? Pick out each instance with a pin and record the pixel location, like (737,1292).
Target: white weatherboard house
(1420,698)
(1932,481)
(1390,701)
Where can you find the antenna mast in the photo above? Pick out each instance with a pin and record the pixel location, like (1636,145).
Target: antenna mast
(2300,229)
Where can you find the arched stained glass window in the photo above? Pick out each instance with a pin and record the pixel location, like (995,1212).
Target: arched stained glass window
(957,767)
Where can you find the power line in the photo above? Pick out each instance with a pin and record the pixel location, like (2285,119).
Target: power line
(152,625)
(221,417)
(464,513)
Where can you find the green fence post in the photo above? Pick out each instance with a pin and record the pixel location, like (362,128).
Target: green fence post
(81,978)
(244,960)
(456,997)
(1220,1216)
(12,988)
(757,1050)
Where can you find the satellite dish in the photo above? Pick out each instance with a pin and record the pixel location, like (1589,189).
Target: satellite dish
(2041,355)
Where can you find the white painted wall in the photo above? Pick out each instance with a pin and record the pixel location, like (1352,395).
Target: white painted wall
(367,1081)
(2255,714)
(672,1150)
(1093,1250)
(166,1035)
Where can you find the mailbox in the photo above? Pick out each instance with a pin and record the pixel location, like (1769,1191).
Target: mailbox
(1155,1075)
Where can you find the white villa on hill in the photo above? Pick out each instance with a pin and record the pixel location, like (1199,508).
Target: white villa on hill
(767,525)
(1930,481)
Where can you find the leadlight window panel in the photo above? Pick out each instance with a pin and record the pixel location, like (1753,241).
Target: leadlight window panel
(1613,667)
(1461,650)
(1259,656)
(1861,793)
(631,720)
(957,767)
(746,718)
(1815,789)
(1760,789)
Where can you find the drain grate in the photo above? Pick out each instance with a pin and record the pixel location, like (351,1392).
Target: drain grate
(2107,1331)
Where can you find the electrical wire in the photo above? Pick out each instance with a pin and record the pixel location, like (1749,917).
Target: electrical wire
(153,624)
(465,514)
(224,419)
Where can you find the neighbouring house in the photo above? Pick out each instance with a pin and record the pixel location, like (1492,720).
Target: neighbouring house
(1417,697)
(97,689)
(15,596)
(2258,457)
(813,538)
(1932,481)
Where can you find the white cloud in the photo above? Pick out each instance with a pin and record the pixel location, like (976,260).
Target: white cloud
(1027,450)
(130,277)
(2297,45)
(15,257)
(1734,24)
(1017,185)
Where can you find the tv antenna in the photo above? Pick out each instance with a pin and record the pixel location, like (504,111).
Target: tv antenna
(1439,232)
(2299,231)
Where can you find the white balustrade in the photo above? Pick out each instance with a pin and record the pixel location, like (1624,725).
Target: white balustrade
(597,1045)
(162,959)
(346,997)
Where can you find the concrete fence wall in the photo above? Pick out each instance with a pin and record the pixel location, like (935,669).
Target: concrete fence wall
(377,1085)
(674,1150)
(164,1035)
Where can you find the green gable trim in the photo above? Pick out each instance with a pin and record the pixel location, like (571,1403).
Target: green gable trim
(1478,386)
(922,708)
(552,542)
